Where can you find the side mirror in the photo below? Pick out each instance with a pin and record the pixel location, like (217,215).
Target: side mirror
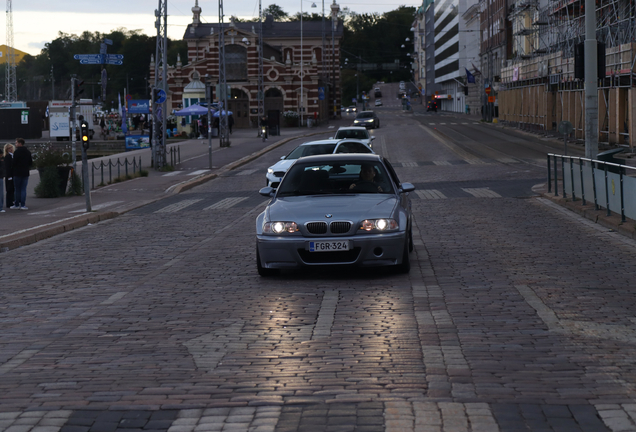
(406,187)
(267,192)
(330,137)
(282,157)
(372,137)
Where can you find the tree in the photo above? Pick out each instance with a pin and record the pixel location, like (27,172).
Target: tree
(276,12)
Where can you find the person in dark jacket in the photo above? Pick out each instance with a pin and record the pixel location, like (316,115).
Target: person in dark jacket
(22,162)
(8,173)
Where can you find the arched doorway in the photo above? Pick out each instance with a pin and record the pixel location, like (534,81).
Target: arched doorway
(239,105)
(274,101)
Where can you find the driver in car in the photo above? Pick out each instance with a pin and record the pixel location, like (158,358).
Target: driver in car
(367,180)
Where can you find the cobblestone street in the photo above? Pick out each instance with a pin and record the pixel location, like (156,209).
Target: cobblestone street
(517,315)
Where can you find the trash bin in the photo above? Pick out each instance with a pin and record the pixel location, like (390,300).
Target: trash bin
(608,156)
(310,122)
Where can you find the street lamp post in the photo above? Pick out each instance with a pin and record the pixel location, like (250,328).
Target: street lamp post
(301,63)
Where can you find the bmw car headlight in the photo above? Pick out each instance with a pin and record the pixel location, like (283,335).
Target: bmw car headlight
(369,120)
(379,225)
(270,171)
(279,227)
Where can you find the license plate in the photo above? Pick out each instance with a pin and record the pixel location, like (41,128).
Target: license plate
(330,246)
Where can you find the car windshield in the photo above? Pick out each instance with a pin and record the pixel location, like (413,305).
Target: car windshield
(335,179)
(352,134)
(365,115)
(311,150)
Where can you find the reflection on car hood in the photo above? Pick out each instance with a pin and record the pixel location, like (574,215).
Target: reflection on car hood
(352,207)
(283,165)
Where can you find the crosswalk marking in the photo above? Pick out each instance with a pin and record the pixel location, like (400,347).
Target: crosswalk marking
(507,160)
(226,203)
(193,173)
(409,164)
(173,173)
(172,208)
(481,192)
(97,206)
(430,194)
(246,172)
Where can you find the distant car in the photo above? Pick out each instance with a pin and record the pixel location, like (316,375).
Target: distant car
(351,109)
(378,102)
(357,133)
(368,119)
(335,210)
(432,106)
(402,85)
(377,93)
(276,172)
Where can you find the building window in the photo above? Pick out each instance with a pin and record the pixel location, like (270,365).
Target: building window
(235,63)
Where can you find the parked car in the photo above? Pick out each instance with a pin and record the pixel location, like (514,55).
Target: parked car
(276,172)
(332,210)
(351,109)
(358,133)
(378,102)
(368,119)
(402,85)
(377,93)
(432,106)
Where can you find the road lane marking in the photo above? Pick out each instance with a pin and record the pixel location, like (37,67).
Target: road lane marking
(226,203)
(112,299)
(173,208)
(197,172)
(430,194)
(173,173)
(326,314)
(481,192)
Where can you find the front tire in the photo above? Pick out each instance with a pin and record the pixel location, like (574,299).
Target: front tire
(262,271)
(405,266)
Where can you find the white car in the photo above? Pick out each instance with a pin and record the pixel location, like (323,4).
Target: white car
(357,133)
(276,172)
(378,102)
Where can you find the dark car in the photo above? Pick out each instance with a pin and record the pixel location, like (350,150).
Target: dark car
(432,106)
(368,119)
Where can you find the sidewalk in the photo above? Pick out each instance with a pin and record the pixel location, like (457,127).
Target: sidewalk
(47,217)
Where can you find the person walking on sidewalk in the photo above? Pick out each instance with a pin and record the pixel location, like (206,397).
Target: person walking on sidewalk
(22,162)
(8,174)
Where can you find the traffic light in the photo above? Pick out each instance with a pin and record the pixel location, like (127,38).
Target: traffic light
(77,88)
(84,133)
(155,94)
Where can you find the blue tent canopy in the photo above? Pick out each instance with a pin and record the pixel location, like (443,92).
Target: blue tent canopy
(224,113)
(192,110)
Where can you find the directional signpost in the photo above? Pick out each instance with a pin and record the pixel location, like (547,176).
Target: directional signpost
(112,59)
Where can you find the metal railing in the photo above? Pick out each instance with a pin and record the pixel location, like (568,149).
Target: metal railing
(136,166)
(606,183)
(174,155)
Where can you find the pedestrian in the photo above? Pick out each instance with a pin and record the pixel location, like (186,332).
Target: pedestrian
(230,122)
(8,174)
(22,162)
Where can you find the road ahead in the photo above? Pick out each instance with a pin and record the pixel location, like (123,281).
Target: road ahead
(516,315)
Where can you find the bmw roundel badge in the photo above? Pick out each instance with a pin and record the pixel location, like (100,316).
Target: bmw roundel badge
(328,215)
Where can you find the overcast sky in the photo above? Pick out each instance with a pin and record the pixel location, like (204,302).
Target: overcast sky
(36,22)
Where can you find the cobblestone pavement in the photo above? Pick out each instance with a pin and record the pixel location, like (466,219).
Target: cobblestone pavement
(516,315)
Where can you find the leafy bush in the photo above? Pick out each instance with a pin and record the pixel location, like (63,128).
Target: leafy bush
(49,186)
(48,156)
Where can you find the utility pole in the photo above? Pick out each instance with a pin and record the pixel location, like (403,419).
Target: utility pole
(261,89)
(334,22)
(161,66)
(52,84)
(591,82)
(224,139)
(11,84)
(74,87)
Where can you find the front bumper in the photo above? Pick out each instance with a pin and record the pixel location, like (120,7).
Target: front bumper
(365,250)
(272,180)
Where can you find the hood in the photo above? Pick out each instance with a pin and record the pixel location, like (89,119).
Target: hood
(347,207)
(282,165)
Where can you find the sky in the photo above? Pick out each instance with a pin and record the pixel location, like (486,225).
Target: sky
(36,22)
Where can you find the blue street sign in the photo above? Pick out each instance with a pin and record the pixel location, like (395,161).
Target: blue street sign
(114,62)
(162,96)
(321,93)
(108,41)
(91,61)
(114,56)
(87,56)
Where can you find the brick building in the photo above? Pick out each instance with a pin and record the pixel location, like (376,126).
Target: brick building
(281,67)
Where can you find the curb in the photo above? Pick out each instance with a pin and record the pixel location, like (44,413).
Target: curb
(43,232)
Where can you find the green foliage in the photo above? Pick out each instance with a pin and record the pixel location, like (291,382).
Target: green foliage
(35,71)
(276,12)
(46,155)
(49,186)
